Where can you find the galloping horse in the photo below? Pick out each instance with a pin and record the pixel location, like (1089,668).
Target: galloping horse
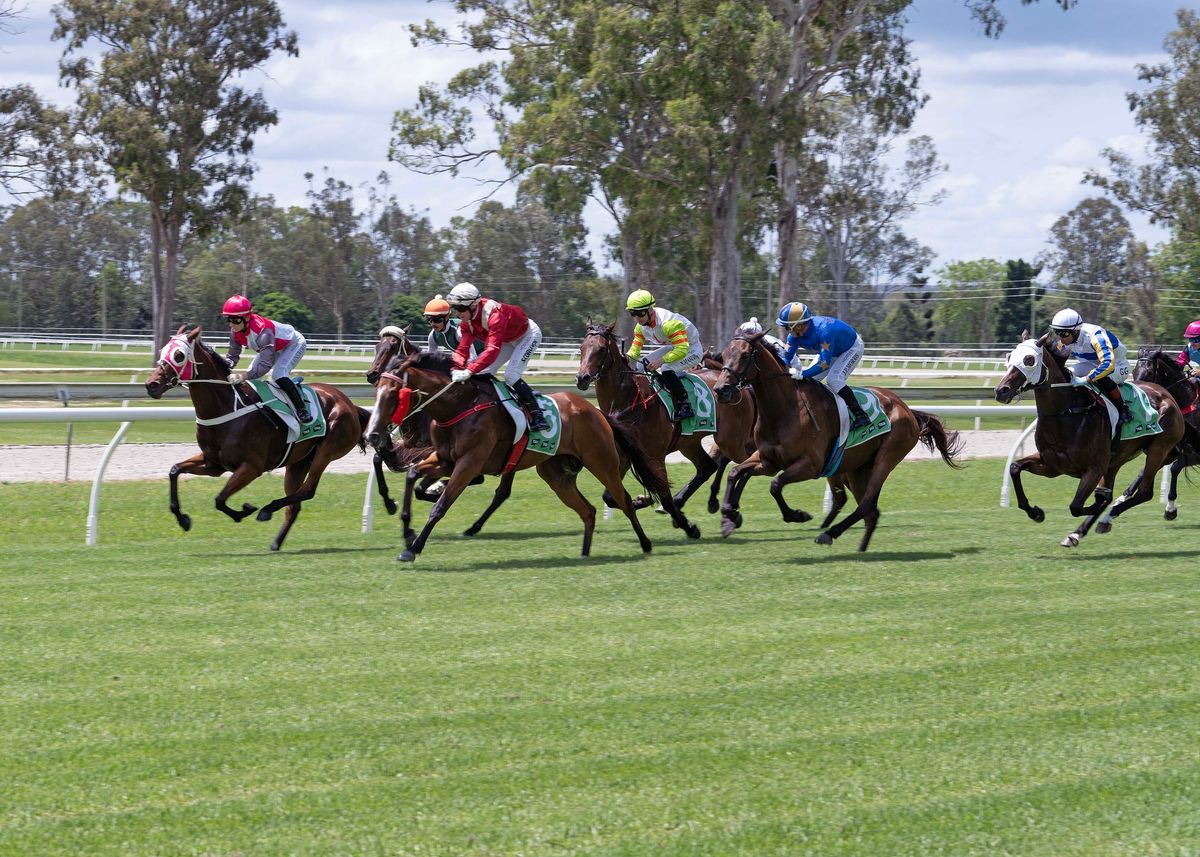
(1074,436)
(1158,367)
(626,394)
(797,431)
(474,435)
(413,452)
(236,433)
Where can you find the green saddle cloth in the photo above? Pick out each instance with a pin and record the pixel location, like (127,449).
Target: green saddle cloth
(545,442)
(1145,417)
(704,404)
(316,427)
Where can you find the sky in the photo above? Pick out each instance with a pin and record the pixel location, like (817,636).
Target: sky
(1018,120)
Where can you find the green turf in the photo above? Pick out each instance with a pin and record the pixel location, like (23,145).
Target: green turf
(966,687)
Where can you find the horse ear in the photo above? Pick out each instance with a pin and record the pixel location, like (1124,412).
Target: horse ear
(182,328)
(1024,334)
(194,334)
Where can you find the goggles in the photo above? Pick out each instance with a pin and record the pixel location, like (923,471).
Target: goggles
(435,318)
(644,311)
(460,307)
(1063,334)
(1195,340)
(234,318)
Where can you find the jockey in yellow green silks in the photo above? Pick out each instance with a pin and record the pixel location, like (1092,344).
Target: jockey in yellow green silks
(674,342)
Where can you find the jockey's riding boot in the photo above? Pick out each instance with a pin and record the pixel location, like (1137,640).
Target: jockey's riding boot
(858,417)
(289,387)
(683,408)
(1123,414)
(537,420)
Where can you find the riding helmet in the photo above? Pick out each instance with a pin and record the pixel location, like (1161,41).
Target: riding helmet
(1193,330)
(1066,319)
(792,314)
(236,305)
(641,299)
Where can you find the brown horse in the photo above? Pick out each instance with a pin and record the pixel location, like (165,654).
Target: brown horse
(412,450)
(1074,436)
(238,435)
(796,434)
(474,435)
(625,392)
(1158,367)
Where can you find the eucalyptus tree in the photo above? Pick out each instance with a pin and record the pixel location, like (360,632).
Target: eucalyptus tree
(160,100)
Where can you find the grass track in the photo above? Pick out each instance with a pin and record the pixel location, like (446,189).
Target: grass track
(968,687)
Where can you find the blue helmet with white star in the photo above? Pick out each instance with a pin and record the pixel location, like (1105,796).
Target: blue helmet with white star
(792,314)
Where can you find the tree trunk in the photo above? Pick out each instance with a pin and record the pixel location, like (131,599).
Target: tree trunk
(724,271)
(785,227)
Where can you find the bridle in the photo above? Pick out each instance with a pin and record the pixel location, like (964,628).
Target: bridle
(1156,356)
(609,346)
(178,358)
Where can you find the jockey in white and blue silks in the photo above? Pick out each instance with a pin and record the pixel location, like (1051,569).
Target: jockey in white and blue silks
(838,349)
(1100,356)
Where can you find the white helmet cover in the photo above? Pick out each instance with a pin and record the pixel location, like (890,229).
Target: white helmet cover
(1066,319)
(463,293)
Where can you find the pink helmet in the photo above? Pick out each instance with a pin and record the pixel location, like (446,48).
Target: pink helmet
(236,305)
(1193,330)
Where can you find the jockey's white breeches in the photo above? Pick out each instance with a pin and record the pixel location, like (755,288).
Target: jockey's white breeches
(517,353)
(679,367)
(838,373)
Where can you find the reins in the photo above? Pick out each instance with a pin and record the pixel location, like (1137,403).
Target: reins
(404,383)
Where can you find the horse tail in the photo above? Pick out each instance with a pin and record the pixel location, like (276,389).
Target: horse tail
(650,472)
(934,434)
(364,418)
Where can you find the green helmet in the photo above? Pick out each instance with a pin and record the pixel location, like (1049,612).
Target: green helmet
(641,299)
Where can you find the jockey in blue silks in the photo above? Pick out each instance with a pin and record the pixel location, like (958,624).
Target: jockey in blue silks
(1100,356)
(838,349)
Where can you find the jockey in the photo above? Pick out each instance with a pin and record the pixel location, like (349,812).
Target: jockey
(444,331)
(838,349)
(675,342)
(509,336)
(279,348)
(1189,357)
(1100,356)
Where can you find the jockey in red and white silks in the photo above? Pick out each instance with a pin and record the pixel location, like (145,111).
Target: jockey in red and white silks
(508,335)
(278,348)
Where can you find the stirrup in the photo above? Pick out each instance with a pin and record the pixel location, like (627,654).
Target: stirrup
(684,411)
(537,421)
(859,421)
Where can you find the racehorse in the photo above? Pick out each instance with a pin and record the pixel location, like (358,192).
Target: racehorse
(474,435)
(236,433)
(412,450)
(1158,367)
(1074,437)
(626,393)
(796,435)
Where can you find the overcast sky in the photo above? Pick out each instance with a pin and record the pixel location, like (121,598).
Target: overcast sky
(1018,120)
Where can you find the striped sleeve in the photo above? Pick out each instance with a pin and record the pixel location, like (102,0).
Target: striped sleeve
(635,350)
(676,333)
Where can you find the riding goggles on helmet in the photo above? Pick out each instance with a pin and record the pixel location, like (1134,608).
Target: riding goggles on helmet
(432,317)
(232,318)
(641,311)
(460,307)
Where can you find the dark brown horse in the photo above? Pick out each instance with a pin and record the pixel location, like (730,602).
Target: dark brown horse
(412,450)
(625,392)
(796,434)
(239,435)
(1158,367)
(1074,436)
(473,434)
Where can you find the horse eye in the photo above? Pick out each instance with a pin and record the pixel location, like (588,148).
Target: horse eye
(177,357)
(1029,360)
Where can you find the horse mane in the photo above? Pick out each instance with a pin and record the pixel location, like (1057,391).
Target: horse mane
(438,361)
(211,357)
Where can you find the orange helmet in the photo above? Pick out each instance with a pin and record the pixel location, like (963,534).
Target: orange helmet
(437,306)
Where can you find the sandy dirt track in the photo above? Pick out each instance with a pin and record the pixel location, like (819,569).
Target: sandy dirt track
(152,460)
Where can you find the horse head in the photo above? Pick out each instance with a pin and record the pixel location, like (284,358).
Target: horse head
(598,353)
(739,365)
(393,343)
(1025,369)
(184,358)
(1154,366)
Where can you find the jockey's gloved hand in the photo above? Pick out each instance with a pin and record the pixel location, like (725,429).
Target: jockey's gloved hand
(646,365)
(1078,381)
(798,374)
(460,375)
(236,377)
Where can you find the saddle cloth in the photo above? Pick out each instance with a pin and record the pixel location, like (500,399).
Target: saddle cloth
(1145,417)
(878,423)
(275,399)
(704,404)
(546,442)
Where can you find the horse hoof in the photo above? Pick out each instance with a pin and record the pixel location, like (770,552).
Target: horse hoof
(1071,541)
(727,528)
(185,521)
(1037,515)
(824,539)
(247,508)
(693,532)
(713,506)
(275,546)
(1104,527)
(797,517)
(471,531)
(661,510)
(1169,515)
(263,515)
(390,505)
(407,556)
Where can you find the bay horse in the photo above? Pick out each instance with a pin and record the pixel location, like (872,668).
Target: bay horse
(796,434)
(473,435)
(626,393)
(237,434)
(412,450)
(1074,436)
(1158,367)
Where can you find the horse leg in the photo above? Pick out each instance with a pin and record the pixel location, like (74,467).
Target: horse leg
(503,490)
(609,475)
(196,465)
(790,515)
(381,485)
(1090,481)
(1104,524)
(410,484)
(325,455)
(714,501)
(293,477)
(735,484)
(858,485)
(464,471)
(559,473)
(1037,467)
(837,488)
(1171,512)
(243,476)
(1155,455)
(706,466)
(866,491)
